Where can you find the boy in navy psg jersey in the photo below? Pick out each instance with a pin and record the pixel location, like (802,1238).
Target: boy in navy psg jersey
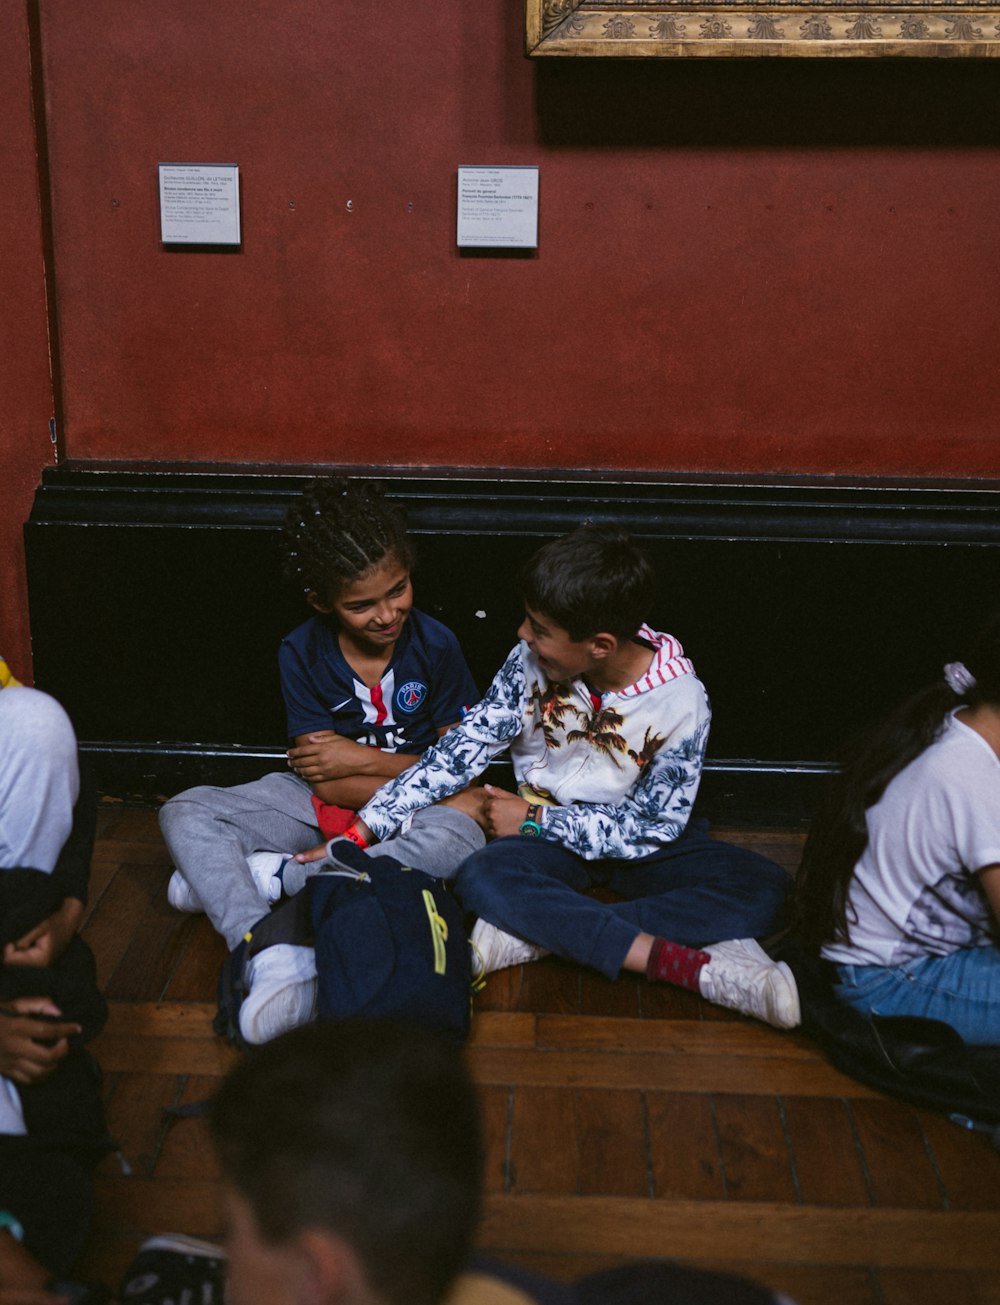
(369,684)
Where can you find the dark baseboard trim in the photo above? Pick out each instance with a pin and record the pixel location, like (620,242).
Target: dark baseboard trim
(810,605)
(753,793)
(477,501)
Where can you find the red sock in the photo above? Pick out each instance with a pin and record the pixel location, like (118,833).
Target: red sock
(671,963)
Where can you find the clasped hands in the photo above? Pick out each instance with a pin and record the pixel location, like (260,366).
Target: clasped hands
(326,756)
(33,1034)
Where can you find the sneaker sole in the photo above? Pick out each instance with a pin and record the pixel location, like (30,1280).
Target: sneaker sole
(184,1245)
(786,1009)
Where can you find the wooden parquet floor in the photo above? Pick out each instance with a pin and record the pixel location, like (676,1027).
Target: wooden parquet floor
(621,1120)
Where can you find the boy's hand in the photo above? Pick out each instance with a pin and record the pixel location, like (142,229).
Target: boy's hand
(327,755)
(314,854)
(505,812)
(31,1048)
(46,942)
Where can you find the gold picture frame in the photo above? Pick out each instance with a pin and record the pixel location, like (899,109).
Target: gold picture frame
(833,29)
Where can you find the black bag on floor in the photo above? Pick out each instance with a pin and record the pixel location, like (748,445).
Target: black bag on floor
(390,944)
(924,1061)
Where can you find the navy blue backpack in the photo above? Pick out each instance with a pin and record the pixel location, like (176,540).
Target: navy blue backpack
(390,944)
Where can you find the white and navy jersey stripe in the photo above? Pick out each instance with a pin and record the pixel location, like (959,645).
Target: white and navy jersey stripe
(426,687)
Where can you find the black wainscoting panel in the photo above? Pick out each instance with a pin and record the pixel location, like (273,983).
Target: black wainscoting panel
(807,605)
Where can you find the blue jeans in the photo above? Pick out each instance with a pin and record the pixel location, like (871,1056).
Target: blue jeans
(694,891)
(961,989)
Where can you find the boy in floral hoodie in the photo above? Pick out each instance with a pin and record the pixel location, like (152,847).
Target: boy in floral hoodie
(607,725)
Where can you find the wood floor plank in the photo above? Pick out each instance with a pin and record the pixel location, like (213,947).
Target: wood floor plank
(160,1019)
(500,992)
(720,1073)
(610,997)
(135,1117)
(120,824)
(504,1029)
(164,1055)
(102,871)
(196,972)
(110,929)
(658,1036)
(755,1154)
(186,1150)
(495,1112)
(607,1109)
(887,1130)
(544,1154)
(612,1143)
(684,1146)
(663,1001)
(158,940)
(777,845)
(965,1162)
(749,1230)
(825,1152)
(150,1205)
(549,985)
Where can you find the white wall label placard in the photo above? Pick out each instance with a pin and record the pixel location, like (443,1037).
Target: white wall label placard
(199,203)
(498,207)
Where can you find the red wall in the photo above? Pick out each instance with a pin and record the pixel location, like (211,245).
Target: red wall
(25,388)
(784,267)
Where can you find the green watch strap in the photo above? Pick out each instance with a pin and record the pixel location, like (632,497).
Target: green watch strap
(531,826)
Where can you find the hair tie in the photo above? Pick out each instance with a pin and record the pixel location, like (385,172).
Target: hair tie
(959,678)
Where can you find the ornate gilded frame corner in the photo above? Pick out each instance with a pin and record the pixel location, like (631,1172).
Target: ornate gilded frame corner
(832,29)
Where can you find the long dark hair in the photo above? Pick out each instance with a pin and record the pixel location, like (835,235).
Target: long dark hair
(839,833)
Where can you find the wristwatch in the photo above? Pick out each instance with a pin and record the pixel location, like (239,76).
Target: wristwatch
(531,826)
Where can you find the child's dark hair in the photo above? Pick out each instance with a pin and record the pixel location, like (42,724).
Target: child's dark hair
(337,532)
(367,1130)
(839,833)
(596,579)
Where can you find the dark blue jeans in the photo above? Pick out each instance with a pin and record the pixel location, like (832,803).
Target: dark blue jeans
(694,891)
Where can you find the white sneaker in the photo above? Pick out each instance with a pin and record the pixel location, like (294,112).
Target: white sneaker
(181,895)
(265,868)
(498,950)
(743,977)
(282,981)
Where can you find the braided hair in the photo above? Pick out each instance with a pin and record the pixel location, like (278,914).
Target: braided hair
(337,532)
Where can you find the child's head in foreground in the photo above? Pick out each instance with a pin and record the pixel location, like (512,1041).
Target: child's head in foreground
(352,1160)
(336,533)
(596,579)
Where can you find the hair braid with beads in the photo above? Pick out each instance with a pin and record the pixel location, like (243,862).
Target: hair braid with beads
(338,531)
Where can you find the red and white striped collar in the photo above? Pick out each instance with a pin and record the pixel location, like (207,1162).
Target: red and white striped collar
(669,662)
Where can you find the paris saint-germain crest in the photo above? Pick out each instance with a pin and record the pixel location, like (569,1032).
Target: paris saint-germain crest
(410,695)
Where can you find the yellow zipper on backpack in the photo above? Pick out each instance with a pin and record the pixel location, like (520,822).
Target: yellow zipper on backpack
(439,931)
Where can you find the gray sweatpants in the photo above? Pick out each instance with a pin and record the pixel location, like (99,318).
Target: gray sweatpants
(210,832)
(39,779)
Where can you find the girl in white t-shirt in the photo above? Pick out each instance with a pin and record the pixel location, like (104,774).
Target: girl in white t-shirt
(900,879)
